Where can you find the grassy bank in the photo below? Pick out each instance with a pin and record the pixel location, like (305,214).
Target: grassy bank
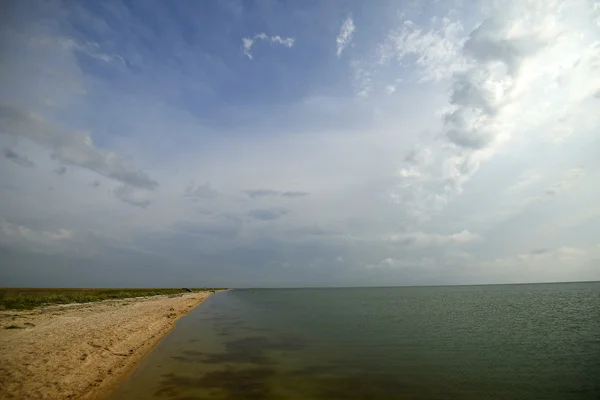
(28,298)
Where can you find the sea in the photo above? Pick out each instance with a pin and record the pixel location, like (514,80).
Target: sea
(526,341)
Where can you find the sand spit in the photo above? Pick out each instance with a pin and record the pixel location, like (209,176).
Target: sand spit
(81,351)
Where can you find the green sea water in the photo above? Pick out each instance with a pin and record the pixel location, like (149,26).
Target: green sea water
(539,341)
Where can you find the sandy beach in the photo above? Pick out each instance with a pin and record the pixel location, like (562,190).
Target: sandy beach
(81,351)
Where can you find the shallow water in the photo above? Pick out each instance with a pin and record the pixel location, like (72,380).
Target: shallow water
(537,341)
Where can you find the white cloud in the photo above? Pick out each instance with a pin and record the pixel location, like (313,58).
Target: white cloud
(392,263)
(410,172)
(525,181)
(499,77)
(541,191)
(553,264)
(362,79)
(91,49)
(248,42)
(345,36)
(569,177)
(539,258)
(438,49)
(388,262)
(545,265)
(420,239)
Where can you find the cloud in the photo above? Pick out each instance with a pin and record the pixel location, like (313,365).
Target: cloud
(480,91)
(393,263)
(389,262)
(220,227)
(422,156)
(257,193)
(200,191)
(60,170)
(362,79)
(345,36)
(420,239)
(96,183)
(453,107)
(553,264)
(570,176)
(24,238)
(294,194)
(91,49)
(440,57)
(547,265)
(17,158)
(525,181)
(74,149)
(543,256)
(269,214)
(498,76)
(532,182)
(438,49)
(310,231)
(248,42)
(132,196)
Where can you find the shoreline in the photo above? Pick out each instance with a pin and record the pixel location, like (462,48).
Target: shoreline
(83,351)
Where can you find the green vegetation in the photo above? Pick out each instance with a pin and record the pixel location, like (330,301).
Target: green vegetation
(28,298)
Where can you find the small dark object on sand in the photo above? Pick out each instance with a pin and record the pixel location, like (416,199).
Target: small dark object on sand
(187,290)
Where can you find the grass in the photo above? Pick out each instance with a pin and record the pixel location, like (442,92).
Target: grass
(29,298)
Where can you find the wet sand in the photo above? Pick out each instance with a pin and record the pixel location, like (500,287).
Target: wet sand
(82,351)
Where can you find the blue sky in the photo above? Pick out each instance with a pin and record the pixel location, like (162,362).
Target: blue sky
(270,143)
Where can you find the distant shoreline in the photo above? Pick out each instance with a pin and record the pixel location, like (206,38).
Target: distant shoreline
(413,286)
(82,351)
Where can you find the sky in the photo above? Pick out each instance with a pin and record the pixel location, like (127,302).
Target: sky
(274,143)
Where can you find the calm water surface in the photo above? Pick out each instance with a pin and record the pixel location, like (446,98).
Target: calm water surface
(464,342)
